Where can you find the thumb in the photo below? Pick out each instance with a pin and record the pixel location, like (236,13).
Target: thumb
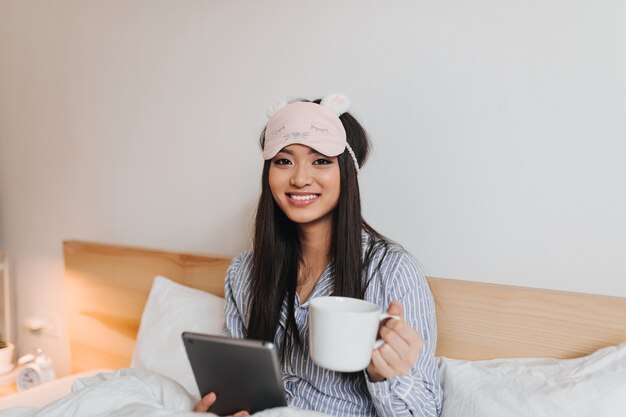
(205,402)
(395,308)
(208,400)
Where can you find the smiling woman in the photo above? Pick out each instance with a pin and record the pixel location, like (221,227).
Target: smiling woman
(310,241)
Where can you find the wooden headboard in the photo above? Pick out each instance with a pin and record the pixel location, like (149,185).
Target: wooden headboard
(108,285)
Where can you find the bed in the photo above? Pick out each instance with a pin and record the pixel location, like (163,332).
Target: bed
(489,335)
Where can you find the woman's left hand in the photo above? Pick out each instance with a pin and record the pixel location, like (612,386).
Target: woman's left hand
(400,350)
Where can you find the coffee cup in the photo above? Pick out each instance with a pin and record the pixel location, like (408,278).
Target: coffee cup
(342,332)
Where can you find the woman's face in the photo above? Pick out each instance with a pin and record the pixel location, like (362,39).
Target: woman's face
(305,184)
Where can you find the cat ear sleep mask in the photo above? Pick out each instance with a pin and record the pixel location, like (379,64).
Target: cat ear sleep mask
(314,125)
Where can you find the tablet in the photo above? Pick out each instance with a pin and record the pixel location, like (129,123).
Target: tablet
(243,373)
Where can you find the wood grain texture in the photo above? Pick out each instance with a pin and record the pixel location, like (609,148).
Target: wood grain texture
(487,321)
(107,287)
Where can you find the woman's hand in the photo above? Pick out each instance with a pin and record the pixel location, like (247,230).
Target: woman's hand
(400,351)
(208,400)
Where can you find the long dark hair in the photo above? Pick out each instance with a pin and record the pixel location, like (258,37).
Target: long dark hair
(277,253)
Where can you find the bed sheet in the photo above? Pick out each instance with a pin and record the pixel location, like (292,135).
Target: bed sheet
(131,393)
(44,394)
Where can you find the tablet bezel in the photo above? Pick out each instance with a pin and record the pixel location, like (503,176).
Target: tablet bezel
(243,373)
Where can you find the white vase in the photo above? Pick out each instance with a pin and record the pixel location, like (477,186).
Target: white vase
(6,358)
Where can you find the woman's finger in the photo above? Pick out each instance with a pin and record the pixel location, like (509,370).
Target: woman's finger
(382,368)
(395,308)
(403,345)
(393,338)
(405,331)
(205,402)
(399,355)
(400,362)
(391,357)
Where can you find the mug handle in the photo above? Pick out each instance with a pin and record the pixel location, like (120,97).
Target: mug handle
(384,316)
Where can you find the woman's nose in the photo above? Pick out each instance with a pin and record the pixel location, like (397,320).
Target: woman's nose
(301,176)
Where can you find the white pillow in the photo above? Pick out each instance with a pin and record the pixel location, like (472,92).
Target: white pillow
(593,386)
(170,310)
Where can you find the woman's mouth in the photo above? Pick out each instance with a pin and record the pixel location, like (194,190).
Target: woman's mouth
(302,199)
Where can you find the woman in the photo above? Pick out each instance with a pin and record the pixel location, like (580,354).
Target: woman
(310,240)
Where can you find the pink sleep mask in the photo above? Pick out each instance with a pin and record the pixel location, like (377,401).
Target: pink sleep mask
(311,124)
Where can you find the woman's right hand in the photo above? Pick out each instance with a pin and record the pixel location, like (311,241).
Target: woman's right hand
(208,400)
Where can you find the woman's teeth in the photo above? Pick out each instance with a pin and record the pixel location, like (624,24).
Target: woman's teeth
(303,197)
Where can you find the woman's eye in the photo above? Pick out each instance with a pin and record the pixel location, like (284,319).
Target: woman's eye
(282,161)
(322,161)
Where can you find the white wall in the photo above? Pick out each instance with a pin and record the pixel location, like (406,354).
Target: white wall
(499,130)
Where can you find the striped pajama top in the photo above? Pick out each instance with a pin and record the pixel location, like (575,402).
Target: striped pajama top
(309,386)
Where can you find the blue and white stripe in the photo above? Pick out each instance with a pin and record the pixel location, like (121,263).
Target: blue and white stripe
(310,387)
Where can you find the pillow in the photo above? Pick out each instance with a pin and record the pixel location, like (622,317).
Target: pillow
(170,310)
(593,385)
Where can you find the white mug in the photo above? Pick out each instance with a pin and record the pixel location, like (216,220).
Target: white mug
(342,332)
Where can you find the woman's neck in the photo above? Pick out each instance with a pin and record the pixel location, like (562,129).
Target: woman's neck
(315,244)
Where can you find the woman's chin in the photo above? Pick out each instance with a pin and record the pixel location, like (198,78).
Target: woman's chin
(303,219)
